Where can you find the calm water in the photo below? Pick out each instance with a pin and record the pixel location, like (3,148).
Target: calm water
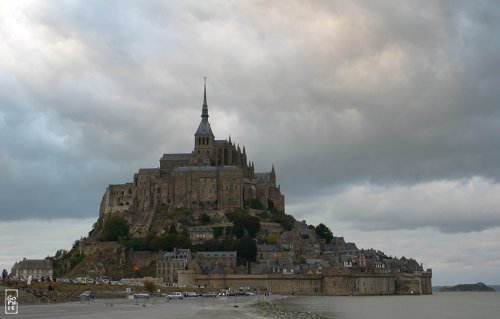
(456,305)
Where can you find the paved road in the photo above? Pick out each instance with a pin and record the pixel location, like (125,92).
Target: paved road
(204,308)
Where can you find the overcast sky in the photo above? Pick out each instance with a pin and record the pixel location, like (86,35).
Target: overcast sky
(381,117)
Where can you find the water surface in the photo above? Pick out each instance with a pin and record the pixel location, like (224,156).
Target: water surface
(453,305)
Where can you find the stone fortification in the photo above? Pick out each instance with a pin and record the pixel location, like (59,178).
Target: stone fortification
(338,282)
(215,176)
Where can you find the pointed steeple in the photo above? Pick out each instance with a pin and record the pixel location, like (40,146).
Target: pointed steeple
(204,109)
(273,176)
(204,127)
(244,151)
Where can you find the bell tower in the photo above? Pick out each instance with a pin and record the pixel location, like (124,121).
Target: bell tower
(204,138)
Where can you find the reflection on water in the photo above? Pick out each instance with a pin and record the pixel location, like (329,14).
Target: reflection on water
(453,305)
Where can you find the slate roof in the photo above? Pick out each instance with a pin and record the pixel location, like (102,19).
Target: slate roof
(285,262)
(207,169)
(200,229)
(32,264)
(204,127)
(180,254)
(351,246)
(268,248)
(149,170)
(176,157)
(213,254)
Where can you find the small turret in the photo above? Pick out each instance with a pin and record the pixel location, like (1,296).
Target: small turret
(273,175)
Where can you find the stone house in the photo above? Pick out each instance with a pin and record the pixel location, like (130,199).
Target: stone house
(169,263)
(286,241)
(286,266)
(222,261)
(36,268)
(379,267)
(199,234)
(300,242)
(267,252)
(362,260)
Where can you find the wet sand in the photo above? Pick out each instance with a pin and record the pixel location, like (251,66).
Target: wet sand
(188,308)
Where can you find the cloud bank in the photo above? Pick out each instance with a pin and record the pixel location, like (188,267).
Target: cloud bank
(381,117)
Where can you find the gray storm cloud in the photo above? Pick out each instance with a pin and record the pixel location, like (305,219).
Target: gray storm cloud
(335,94)
(448,206)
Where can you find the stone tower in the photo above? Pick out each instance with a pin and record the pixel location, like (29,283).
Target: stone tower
(204,138)
(214,176)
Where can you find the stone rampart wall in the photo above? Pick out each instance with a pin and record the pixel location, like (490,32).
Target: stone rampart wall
(339,282)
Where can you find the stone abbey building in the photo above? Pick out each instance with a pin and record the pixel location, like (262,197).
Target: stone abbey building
(215,176)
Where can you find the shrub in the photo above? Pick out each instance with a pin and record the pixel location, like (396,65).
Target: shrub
(115,227)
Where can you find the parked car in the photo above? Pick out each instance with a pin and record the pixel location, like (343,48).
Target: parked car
(87,295)
(143,295)
(175,295)
(190,294)
(210,294)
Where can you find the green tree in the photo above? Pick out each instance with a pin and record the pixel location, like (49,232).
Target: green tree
(322,231)
(246,249)
(204,219)
(254,203)
(115,227)
(286,221)
(169,241)
(149,286)
(136,244)
(271,240)
(218,231)
(172,229)
(75,259)
(244,224)
(212,245)
(183,240)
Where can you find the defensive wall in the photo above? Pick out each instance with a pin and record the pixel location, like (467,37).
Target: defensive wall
(335,282)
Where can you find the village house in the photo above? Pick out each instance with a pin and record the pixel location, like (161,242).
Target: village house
(169,263)
(267,252)
(216,261)
(199,234)
(36,268)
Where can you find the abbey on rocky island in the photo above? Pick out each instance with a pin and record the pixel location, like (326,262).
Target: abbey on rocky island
(215,176)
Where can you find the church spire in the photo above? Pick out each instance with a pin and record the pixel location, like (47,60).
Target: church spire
(204,127)
(204,109)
